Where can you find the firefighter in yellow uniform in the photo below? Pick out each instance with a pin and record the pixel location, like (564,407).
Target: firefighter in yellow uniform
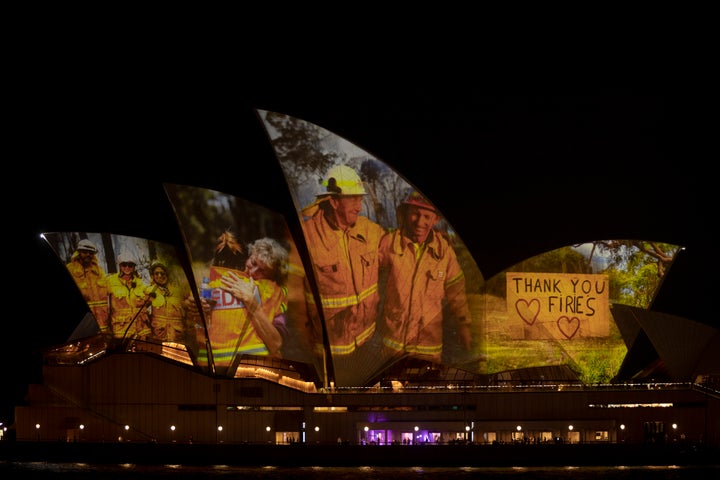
(423,277)
(167,306)
(128,300)
(343,248)
(90,278)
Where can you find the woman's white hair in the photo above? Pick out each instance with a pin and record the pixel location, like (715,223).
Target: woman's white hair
(272,254)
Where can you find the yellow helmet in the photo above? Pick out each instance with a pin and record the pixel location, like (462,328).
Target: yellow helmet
(342,180)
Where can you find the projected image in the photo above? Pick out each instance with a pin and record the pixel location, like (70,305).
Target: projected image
(250,280)
(392,294)
(556,309)
(135,288)
(392,278)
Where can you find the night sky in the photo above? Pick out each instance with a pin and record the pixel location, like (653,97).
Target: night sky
(517,172)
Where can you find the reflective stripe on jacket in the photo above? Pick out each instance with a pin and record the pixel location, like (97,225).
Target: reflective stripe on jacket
(347,278)
(128,310)
(416,292)
(230,329)
(93,287)
(167,314)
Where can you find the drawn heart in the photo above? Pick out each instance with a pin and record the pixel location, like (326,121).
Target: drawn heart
(528,311)
(568,326)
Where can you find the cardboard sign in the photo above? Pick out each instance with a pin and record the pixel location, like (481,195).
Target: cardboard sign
(559,306)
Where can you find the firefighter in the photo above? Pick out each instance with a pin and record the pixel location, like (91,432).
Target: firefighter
(91,279)
(128,300)
(423,276)
(167,306)
(343,248)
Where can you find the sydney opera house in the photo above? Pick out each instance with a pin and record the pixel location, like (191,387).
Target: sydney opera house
(255,333)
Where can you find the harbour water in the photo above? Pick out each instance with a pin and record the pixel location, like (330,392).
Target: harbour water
(44,470)
(41,460)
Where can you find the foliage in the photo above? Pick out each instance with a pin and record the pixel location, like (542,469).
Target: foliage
(298,146)
(205,214)
(597,364)
(636,268)
(561,260)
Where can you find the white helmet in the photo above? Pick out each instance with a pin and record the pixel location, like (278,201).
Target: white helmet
(342,180)
(86,245)
(126,257)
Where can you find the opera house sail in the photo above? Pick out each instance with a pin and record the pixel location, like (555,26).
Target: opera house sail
(362,315)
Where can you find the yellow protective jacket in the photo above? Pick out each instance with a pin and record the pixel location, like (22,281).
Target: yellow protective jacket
(230,329)
(416,291)
(167,313)
(128,307)
(93,286)
(347,279)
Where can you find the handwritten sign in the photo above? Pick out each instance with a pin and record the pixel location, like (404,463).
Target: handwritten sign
(559,306)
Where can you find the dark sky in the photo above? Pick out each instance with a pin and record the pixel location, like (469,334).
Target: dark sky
(516,172)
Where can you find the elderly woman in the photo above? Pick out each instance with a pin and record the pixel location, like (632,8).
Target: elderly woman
(246,314)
